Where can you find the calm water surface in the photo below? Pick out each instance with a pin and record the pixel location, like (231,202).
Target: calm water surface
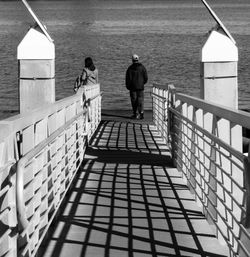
(167,35)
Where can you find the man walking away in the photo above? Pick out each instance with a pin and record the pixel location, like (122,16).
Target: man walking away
(136,78)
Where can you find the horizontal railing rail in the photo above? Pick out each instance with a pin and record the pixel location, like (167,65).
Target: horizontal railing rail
(20,121)
(238,117)
(205,140)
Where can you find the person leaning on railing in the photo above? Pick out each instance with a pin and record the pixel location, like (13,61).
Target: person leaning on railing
(89,75)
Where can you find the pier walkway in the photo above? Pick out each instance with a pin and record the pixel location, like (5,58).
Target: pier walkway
(79,181)
(128,200)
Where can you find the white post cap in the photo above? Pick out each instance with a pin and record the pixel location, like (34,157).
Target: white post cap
(35,45)
(219,48)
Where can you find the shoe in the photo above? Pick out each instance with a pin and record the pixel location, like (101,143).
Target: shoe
(140,116)
(133,116)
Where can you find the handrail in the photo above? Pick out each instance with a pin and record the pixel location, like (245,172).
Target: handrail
(159,96)
(92,98)
(236,116)
(20,169)
(50,164)
(20,121)
(204,141)
(58,148)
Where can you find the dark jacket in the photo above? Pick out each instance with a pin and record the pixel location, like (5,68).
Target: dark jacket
(136,77)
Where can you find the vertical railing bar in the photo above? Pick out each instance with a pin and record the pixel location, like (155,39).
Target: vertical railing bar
(247,186)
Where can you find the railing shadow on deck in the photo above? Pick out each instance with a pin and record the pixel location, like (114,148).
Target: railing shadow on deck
(117,187)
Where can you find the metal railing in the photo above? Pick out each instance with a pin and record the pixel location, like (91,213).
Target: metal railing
(43,178)
(40,155)
(206,145)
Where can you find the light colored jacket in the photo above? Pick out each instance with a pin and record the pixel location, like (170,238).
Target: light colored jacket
(90,77)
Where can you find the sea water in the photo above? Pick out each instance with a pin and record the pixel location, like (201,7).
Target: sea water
(167,35)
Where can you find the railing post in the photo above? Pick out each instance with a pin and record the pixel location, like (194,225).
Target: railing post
(171,123)
(247,186)
(36,68)
(244,238)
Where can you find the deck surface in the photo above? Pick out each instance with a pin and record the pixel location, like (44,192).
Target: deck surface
(128,200)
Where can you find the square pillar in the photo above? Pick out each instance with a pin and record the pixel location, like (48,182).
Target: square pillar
(36,69)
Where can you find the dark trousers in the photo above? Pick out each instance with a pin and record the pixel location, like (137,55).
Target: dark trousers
(137,101)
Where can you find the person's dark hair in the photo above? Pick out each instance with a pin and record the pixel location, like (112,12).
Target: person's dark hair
(89,63)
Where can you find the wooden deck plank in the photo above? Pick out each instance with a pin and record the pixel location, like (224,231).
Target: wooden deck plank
(129,201)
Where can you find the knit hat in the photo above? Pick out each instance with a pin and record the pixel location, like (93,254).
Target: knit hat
(135,58)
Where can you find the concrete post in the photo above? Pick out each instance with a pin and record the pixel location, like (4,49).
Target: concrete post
(36,68)
(219,61)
